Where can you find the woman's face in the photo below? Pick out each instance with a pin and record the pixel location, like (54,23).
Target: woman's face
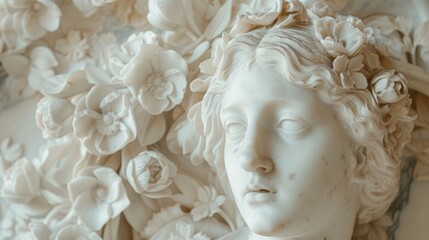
(284,154)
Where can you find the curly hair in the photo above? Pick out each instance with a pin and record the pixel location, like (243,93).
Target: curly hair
(302,60)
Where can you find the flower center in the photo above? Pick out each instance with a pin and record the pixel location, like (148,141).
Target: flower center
(156,82)
(108,124)
(99,194)
(155,171)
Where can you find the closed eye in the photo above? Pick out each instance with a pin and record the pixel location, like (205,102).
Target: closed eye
(292,126)
(235,129)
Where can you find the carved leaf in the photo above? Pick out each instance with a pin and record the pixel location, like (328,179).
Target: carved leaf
(10,151)
(188,188)
(138,213)
(421,38)
(218,24)
(150,128)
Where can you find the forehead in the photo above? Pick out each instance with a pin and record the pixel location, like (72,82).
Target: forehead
(265,83)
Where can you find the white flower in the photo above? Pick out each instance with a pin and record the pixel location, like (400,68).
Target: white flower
(322,9)
(77,232)
(262,12)
(389,87)
(89,7)
(118,58)
(21,182)
(98,195)
(157,77)
(186,232)
(28,20)
(74,46)
(349,70)
(208,203)
(340,37)
(150,173)
(54,116)
(104,120)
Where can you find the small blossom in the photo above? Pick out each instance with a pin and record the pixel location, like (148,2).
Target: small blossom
(98,195)
(186,232)
(389,87)
(157,77)
(340,37)
(349,70)
(54,116)
(74,46)
(150,172)
(208,203)
(104,120)
(260,13)
(322,9)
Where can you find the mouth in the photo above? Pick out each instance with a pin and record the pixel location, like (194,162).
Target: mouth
(256,194)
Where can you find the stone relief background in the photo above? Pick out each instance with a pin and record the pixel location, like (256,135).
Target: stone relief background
(113,85)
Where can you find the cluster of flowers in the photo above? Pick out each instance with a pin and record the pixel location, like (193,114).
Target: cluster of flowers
(110,88)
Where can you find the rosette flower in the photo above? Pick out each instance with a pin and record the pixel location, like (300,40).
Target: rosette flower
(54,116)
(151,173)
(104,120)
(389,87)
(98,195)
(157,78)
(340,37)
(21,182)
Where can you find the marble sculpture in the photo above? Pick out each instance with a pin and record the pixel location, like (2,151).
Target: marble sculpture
(211,119)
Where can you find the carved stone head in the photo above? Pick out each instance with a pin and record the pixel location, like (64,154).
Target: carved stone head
(303,138)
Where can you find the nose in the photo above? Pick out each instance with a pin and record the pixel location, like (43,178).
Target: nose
(252,160)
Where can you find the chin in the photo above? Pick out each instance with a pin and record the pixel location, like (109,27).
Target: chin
(262,225)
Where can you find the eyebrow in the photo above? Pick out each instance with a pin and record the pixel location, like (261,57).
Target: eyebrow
(234,107)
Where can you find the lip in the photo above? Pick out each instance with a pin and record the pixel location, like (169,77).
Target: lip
(258,194)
